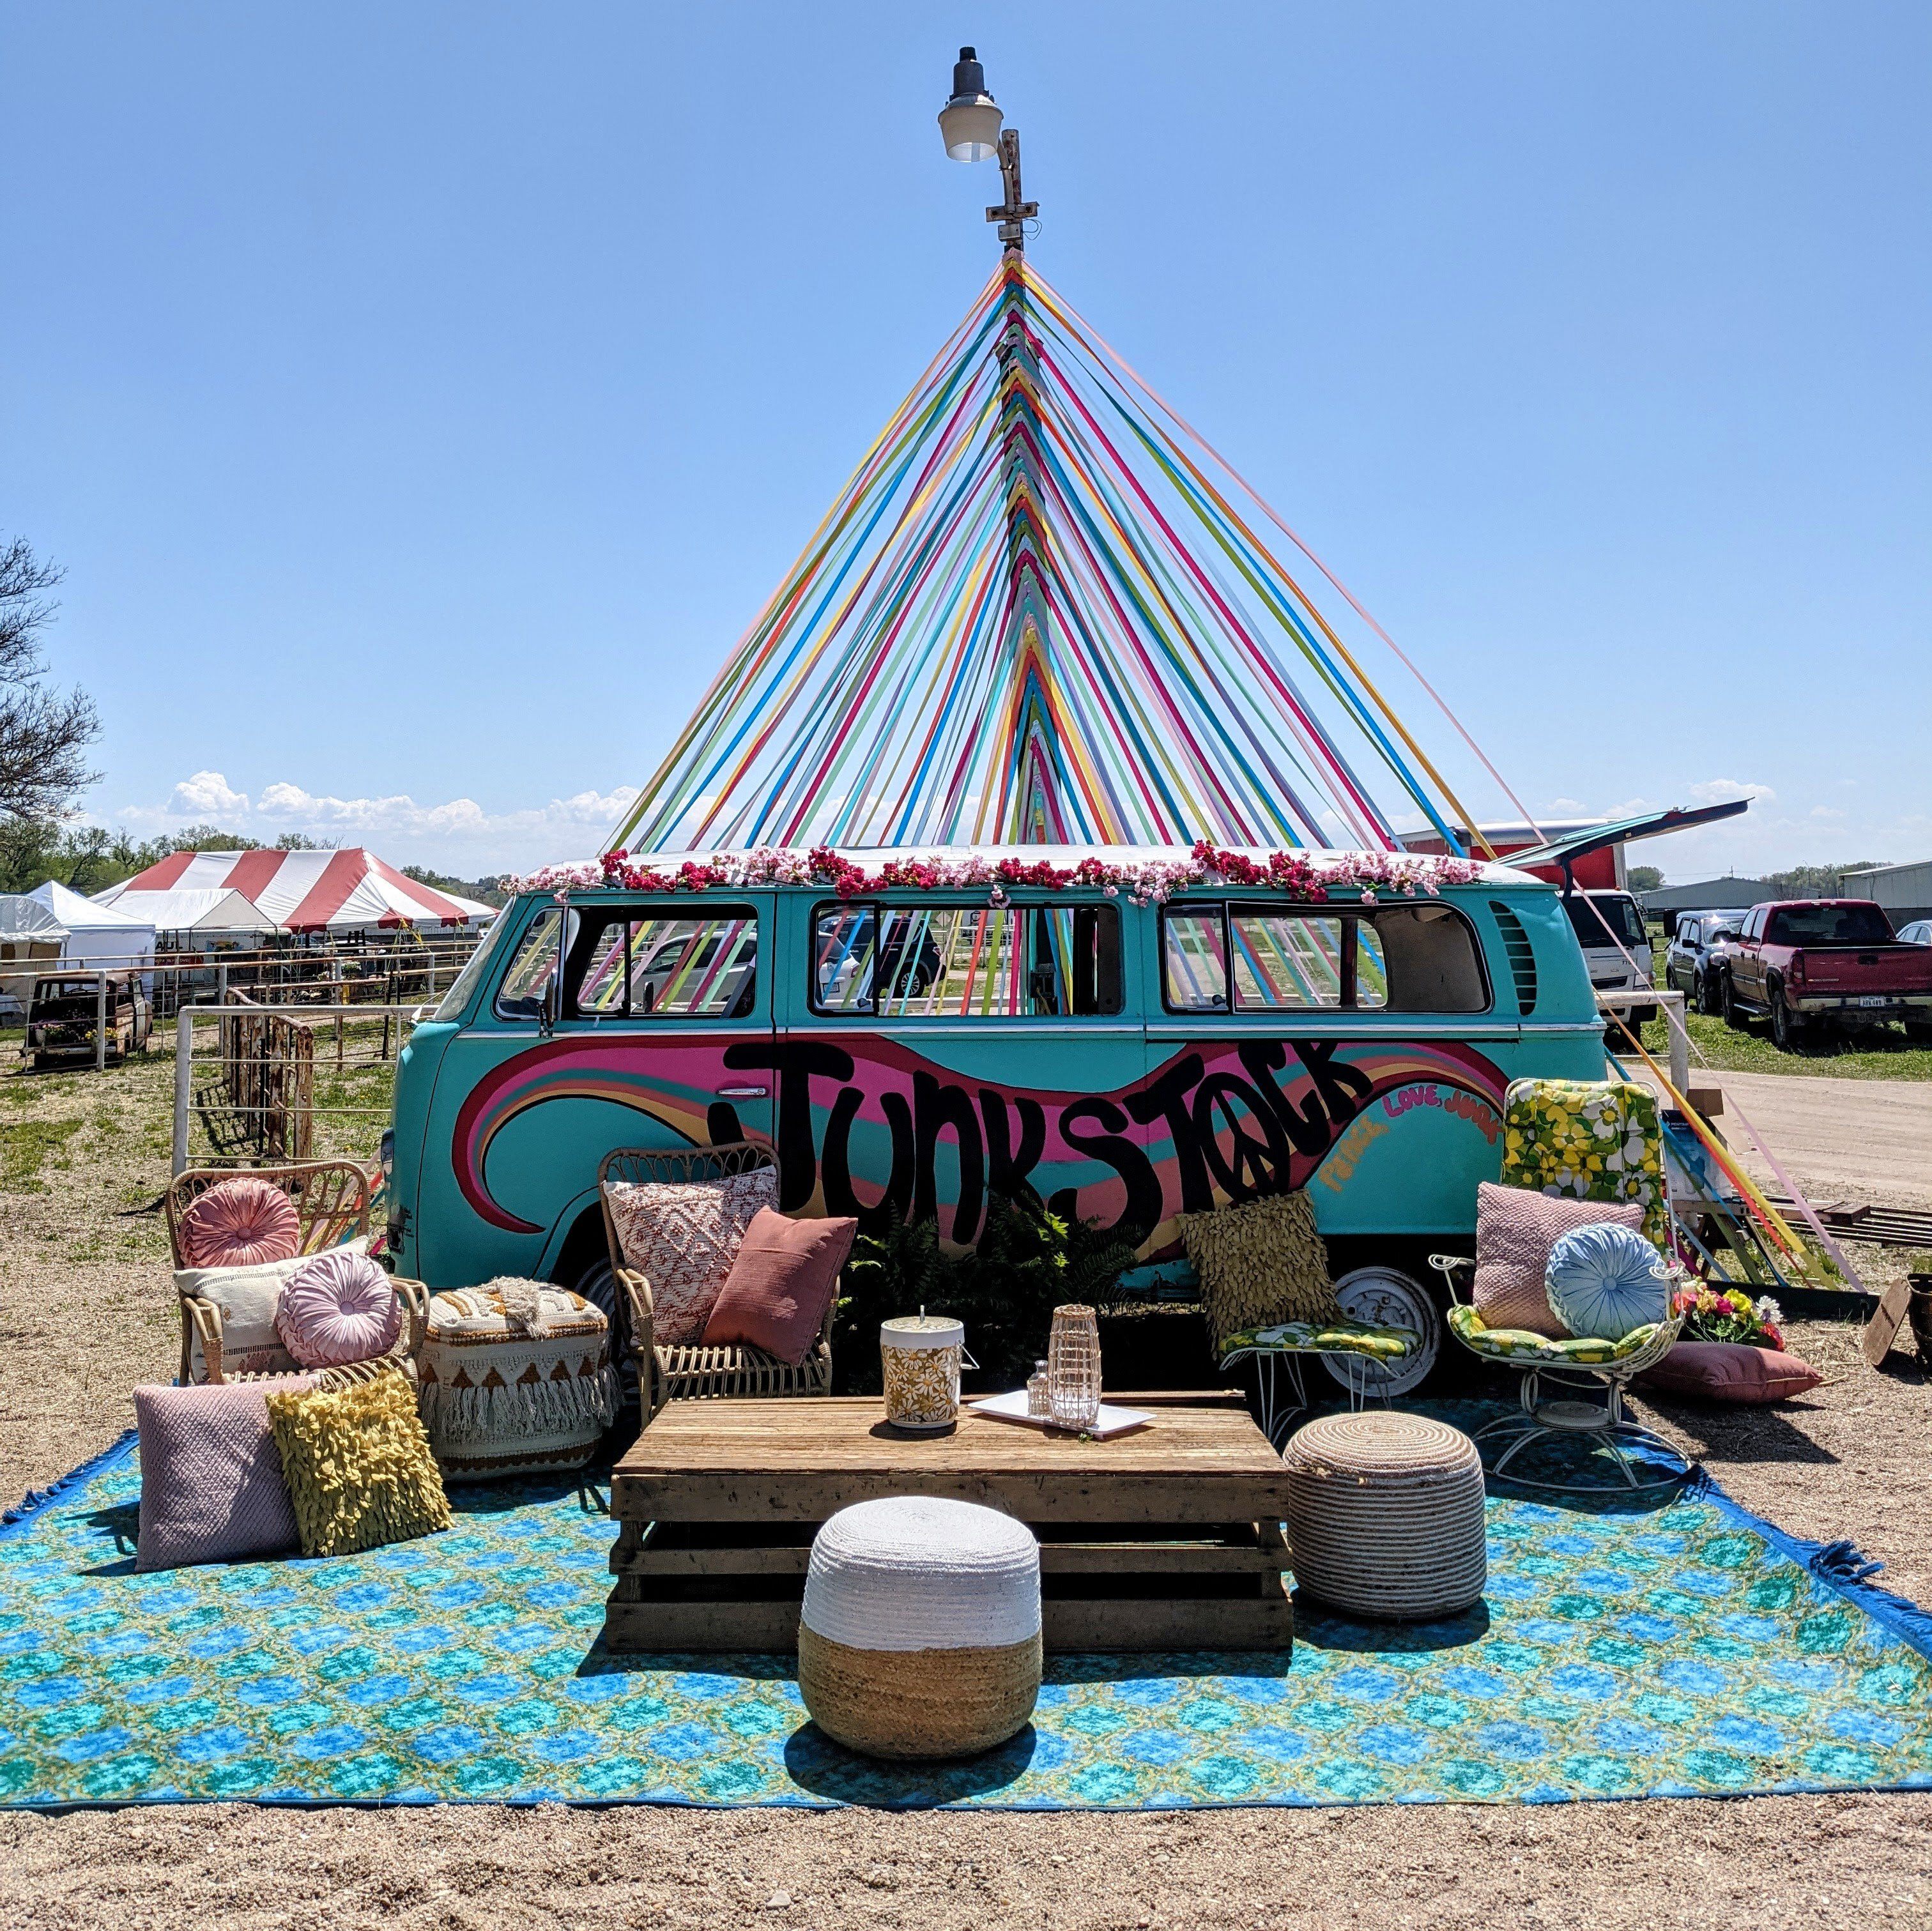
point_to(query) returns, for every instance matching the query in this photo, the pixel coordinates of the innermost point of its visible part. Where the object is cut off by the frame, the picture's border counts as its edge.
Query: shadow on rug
(1677, 1647)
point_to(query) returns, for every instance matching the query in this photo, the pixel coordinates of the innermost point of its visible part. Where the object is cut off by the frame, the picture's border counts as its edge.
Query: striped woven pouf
(1385, 1515)
(920, 1635)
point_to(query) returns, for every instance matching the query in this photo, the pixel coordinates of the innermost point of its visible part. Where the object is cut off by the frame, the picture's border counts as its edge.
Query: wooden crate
(1168, 1538)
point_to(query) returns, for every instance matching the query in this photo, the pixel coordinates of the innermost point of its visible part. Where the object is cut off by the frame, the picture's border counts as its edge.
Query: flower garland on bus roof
(1365, 875)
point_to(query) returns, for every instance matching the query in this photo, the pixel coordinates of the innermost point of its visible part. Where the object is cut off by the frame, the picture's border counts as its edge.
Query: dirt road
(1840, 1139)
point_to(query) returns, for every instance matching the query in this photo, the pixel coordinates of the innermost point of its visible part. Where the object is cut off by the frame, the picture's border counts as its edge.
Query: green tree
(1644, 878)
(1816, 881)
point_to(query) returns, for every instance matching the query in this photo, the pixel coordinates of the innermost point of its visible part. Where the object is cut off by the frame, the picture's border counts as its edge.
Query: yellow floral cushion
(1518, 1344)
(1335, 1335)
(1260, 1261)
(1587, 1139)
(358, 1466)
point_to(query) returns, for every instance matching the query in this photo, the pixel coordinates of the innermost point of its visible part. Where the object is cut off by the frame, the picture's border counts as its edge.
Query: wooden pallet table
(1167, 1538)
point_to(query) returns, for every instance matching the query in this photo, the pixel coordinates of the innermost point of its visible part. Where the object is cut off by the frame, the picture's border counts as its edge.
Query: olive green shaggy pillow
(1258, 1262)
(358, 1466)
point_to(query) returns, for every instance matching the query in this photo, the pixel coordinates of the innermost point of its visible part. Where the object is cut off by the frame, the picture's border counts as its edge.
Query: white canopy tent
(101, 937)
(203, 910)
(31, 939)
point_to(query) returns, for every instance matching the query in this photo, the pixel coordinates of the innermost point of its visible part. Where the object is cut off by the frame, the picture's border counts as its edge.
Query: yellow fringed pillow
(1258, 1262)
(358, 1466)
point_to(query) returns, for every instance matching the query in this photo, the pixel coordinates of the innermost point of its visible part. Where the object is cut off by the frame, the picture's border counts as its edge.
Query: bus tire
(1386, 1296)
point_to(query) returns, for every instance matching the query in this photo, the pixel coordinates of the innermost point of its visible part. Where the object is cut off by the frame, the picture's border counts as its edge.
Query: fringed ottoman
(515, 1378)
(920, 1632)
(1385, 1515)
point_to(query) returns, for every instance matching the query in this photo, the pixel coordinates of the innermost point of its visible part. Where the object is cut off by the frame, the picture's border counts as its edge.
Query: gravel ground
(86, 1312)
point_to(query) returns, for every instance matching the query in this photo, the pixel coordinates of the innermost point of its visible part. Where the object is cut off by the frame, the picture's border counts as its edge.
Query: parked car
(1694, 963)
(1827, 962)
(1918, 933)
(64, 1016)
(1616, 947)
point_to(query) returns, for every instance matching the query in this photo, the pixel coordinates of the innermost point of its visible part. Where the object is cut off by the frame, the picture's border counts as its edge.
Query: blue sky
(422, 400)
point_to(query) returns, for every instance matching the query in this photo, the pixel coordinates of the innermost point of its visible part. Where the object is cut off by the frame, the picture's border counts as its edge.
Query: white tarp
(200, 909)
(31, 939)
(101, 937)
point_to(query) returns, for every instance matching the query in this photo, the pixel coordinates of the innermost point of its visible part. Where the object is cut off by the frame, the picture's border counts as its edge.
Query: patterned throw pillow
(682, 1236)
(358, 1466)
(1606, 1281)
(338, 1307)
(1258, 1263)
(1587, 1139)
(211, 1486)
(248, 1299)
(239, 1223)
(1515, 1231)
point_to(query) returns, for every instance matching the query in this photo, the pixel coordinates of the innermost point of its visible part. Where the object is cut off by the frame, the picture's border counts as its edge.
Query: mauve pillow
(1515, 1231)
(338, 1307)
(239, 1223)
(1730, 1371)
(211, 1486)
(775, 1296)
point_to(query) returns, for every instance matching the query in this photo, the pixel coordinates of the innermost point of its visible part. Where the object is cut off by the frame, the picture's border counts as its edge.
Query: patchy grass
(28, 1145)
(1883, 1053)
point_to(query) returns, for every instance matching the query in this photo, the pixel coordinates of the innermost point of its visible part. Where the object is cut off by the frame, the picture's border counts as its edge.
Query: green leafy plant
(1029, 1260)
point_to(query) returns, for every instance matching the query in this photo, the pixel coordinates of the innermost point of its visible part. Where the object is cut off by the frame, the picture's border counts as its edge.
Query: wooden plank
(1096, 1558)
(1069, 1627)
(735, 1461)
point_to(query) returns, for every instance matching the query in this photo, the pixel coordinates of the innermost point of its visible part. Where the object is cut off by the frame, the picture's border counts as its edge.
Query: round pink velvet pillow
(338, 1308)
(240, 1223)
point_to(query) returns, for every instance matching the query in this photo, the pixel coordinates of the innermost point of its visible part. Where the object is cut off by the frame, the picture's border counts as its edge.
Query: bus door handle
(743, 1092)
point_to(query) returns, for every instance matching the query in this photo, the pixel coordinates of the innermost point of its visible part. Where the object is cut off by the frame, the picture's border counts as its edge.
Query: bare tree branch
(44, 733)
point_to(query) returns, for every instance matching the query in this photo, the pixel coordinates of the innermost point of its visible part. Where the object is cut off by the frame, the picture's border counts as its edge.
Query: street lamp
(969, 124)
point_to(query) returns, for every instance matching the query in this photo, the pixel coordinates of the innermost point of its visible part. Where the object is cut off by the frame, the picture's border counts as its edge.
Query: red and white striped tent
(350, 891)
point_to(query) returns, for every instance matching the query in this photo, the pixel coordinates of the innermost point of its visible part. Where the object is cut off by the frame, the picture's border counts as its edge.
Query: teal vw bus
(918, 1050)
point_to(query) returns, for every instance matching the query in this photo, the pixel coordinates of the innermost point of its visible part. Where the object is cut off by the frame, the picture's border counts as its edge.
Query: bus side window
(1430, 960)
(1193, 959)
(532, 970)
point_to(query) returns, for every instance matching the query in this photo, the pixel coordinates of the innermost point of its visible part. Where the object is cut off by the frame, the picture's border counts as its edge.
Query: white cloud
(208, 795)
(1566, 805)
(459, 835)
(1728, 791)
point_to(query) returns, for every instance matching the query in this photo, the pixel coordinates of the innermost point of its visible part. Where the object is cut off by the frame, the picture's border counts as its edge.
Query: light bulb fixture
(969, 123)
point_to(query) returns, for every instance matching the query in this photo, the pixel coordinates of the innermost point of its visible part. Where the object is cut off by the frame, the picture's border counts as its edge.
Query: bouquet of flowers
(1730, 1314)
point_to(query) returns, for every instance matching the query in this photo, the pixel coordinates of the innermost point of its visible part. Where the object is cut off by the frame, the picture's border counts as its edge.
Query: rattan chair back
(331, 1199)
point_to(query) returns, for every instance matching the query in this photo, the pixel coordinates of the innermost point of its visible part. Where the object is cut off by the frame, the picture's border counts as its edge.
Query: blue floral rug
(1683, 1648)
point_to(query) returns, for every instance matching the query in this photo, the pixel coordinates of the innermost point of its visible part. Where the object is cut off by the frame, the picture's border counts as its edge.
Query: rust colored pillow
(775, 1296)
(1515, 1231)
(1730, 1371)
(240, 1223)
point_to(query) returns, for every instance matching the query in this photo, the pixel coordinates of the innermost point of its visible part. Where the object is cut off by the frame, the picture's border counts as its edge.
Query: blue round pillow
(1603, 1281)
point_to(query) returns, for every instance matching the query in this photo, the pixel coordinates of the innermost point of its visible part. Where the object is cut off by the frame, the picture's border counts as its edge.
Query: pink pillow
(779, 1287)
(1515, 1231)
(211, 1486)
(1730, 1371)
(682, 1236)
(240, 1223)
(337, 1307)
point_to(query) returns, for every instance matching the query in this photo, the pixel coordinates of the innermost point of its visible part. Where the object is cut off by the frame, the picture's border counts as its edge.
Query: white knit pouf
(920, 1635)
(1385, 1515)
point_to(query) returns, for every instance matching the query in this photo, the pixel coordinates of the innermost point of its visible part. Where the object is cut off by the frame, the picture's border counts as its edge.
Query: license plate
(1874, 999)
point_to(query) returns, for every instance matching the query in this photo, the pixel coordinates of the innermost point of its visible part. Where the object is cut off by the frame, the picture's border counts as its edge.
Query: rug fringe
(35, 1500)
(1839, 1565)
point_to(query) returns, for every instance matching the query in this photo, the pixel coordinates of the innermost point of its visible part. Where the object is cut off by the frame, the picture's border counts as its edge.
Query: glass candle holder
(1073, 1367)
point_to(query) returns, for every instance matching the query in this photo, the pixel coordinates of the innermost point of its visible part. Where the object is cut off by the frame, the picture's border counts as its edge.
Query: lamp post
(969, 124)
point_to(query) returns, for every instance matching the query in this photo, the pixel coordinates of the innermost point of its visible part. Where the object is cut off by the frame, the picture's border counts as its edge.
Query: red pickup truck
(1827, 962)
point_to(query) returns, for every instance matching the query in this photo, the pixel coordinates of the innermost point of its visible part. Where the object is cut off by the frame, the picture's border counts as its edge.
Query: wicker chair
(1576, 1366)
(331, 1200)
(694, 1371)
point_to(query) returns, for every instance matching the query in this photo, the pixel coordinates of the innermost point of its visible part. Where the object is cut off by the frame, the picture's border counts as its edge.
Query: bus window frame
(950, 903)
(1229, 1009)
